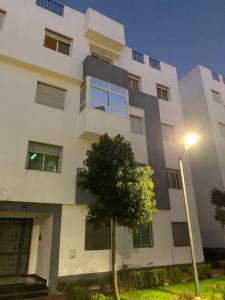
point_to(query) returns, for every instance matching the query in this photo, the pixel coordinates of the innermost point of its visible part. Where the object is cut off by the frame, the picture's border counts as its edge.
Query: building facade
(66, 79)
(203, 100)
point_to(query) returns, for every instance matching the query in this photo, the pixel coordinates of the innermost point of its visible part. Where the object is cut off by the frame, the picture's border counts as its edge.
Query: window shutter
(180, 234)
(136, 124)
(58, 37)
(50, 96)
(222, 129)
(44, 149)
(2, 16)
(167, 132)
(216, 97)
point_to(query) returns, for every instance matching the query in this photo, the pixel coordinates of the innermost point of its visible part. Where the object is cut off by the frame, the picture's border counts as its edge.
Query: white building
(203, 100)
(56, 67)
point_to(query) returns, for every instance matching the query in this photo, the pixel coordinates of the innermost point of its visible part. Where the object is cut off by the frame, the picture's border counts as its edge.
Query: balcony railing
(215, 76)
(52, 6)
(138, 56)
(154, 63)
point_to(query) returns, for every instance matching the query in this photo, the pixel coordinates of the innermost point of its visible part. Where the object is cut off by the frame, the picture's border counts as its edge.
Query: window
(163, 92)
(180, 234)
(222, 129)
(99, 239)
(50, 96)
(44, 157)
(83, 96)
(167, 133)
(174, 179)
(134, 82)
(143, 237)
(2, 18)
(101, 57)
(155, 64)
(215, 76)
(137, 125)
(57, 42)
(108, 97)
(216, 97)
(138, 56)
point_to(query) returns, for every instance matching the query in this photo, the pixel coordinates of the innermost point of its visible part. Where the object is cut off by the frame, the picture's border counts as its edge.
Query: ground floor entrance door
(15, 238)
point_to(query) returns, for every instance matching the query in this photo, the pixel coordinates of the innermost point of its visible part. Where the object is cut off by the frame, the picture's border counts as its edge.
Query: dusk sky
(184, 33)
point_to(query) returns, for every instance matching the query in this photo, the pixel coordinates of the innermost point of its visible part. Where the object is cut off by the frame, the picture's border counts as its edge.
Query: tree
(218, 199)
(123, 190)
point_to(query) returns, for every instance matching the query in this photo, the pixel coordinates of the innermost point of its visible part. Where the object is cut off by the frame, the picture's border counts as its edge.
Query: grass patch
(168, 292)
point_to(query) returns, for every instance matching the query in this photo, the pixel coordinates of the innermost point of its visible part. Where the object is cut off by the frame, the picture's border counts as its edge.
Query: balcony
(103, 109)
(155, 64)
(52, 6)
(104, 31)
(139, 57)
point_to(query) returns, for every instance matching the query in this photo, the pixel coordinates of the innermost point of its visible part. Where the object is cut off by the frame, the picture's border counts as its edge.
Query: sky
(184, 33)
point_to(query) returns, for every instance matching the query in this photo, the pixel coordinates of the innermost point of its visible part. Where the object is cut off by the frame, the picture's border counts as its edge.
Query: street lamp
(189, 141)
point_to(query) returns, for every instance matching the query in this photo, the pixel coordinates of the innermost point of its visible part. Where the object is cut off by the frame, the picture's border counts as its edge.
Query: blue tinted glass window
(99, 96)
(100, 83)
(118, 101)
(117, 89)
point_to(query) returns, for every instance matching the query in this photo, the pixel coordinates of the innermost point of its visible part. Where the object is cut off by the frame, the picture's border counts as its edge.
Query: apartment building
(67, 78)
(203, 100)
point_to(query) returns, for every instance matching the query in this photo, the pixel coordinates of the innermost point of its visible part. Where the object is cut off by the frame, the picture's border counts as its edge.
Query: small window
(216, 97)
(180, 234)
(163, 92)
(99, 239)
(174, 179)
(137, 125)
(50, 96)
(134, 82)
(222, 129)
(139, 57)
(143, 237)
(44, 157)
(167, 133)
(2, 18)
(215, 76)
(57, 42)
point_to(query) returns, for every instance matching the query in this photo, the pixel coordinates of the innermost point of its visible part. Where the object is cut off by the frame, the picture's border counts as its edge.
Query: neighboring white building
(203, 100)
(56, 68)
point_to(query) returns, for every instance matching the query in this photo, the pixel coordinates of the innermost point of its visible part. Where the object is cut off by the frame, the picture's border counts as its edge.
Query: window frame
(142, 125)
(60, 38)
(60, 149)
(4, 13)
(178, 179)
(107, 89)
(213, 92)
(163, 88)
(151, 238)
(176, 244)
(136, 78)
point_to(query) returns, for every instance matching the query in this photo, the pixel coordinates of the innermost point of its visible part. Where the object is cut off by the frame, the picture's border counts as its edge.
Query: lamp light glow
(33, 156)
(190, 139)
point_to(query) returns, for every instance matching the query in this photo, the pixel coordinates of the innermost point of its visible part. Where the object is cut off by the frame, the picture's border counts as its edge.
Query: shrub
(184, 296)
(155, 278)
(74, 292)
(175, 275)
(99, 297)
(136, 280)
(204, 270)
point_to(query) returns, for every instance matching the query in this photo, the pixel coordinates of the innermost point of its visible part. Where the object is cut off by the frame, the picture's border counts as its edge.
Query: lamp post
(190, 140)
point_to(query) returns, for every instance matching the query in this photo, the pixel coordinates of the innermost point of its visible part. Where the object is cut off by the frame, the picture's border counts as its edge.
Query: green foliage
(175, 275)
(218, 199)
(74, 292)
(148, 279)
(204, 270)
(122, 189)
(218, 264)
(184, 296)
(99, 297)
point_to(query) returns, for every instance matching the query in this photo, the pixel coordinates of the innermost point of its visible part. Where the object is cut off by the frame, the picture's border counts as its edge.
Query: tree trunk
(114, 271)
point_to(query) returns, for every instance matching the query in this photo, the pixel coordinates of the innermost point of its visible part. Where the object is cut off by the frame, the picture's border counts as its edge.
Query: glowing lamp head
(190, 140)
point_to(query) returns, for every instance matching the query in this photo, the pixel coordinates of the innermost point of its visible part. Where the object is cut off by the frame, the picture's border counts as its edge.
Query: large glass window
(108, 97)
(44, 157)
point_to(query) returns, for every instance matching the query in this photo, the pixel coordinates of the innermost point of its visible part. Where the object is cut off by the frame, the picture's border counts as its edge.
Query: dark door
(15, 237)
